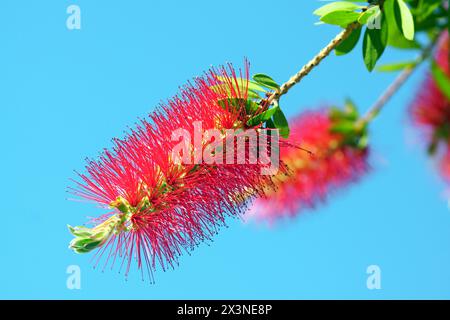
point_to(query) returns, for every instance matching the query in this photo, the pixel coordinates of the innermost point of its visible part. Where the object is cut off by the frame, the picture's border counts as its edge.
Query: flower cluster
(160, 207)
(431, 109)
(336, 157)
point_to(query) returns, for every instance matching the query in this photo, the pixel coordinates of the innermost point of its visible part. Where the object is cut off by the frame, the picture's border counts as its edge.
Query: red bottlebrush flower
(160, 206)
(332, 164)
(431, 108)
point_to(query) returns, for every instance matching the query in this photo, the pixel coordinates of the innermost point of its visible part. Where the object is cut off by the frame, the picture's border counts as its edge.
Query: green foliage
(336, 6)
(262, 117)
(404, 19)
(374, 44)
(340, 18)
(250, 106)
(441, 134)
(346, 122)
(260, 85)
(366, 15)
(426, 8)
(241, 85)
(441, 79)
(273, 118)
(349, 44)
(392, 67)
(280, 122)
(396, 37)
(429, 14)
(265, 81)
(392, 23)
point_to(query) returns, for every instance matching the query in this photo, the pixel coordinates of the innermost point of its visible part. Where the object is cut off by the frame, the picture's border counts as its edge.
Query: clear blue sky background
(64, 94)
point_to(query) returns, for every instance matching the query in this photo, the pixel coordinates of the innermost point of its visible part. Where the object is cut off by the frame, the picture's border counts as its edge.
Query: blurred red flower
(431, 109)
(332, 165)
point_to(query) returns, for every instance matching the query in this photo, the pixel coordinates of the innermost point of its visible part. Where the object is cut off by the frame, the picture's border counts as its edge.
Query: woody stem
(314, 62)
(397, 84)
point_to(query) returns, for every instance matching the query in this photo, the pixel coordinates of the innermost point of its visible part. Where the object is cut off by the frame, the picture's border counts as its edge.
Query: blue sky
(66, 93)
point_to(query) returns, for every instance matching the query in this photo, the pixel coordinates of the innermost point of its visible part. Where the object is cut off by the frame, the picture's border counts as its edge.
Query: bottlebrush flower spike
(431, 108)
(338, 156)
(160, 206)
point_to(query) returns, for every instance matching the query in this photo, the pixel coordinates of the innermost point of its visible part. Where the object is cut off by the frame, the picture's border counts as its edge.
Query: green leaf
(343, 126)
(242, 83)
(266, 81)
(80, 242)
(237, 103)
(348, 113)
(80, 250)
(363, 142)
(441, 79)
(251, 107)
(400, 42)
(226, 88)
(366, 15)
(336, 6)
(350, 110)
(270, 124)
(262, 117)
(253, 95)
(80, 231)
(396, 38)
(433, 146)
(92, 245)
(404, 19)
(349, 44)
(281, 123)
(374, 43)
(425, 8)
(336, 113)
(340, 18)
(441, 133)
(392, 67)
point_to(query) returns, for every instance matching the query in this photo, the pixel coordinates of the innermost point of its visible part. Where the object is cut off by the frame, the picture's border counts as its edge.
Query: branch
(314, 62)
(397, 84)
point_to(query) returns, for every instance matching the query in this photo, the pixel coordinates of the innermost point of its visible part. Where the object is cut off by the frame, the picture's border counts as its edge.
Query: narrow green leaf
(251, 107)
(441, 79)
(396, 38)
(374, 43)
(335, 6)
(404, 19)
(349, 44)
(262, 117)
(441, 133)
(401, 42)
(340, 18)
(366, 15)
(350, 110)
(343, 126)
(392, 67)
(266, 81)
(336, 114)
(281, 123)
(270, 124)
(80, 231)
(348, 113)
(220, 88)
(425, 8)
(242, 83)
(92, 245)
(363, 142)
(237, 103)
